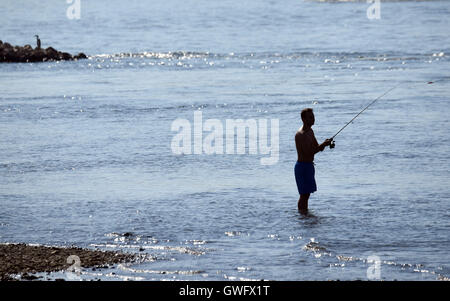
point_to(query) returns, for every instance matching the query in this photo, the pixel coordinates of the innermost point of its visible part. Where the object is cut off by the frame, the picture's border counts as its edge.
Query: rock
(26, 276)
(51, 53)
(36, 55)
(18, 54)
(25, 259)
(65, 56)
(80, 56)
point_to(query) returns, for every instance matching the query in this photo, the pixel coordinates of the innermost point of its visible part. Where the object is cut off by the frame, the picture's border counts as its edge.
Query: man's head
(307, 116)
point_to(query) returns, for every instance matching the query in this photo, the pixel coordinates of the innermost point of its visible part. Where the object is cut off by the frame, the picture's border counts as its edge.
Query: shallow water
(86, 158)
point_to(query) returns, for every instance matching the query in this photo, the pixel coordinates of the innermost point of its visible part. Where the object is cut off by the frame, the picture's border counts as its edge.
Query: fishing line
(332, 145)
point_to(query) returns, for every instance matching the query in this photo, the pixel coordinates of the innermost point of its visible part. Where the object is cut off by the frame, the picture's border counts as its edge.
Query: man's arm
(324, 144)
(320, 147)
(308, 146)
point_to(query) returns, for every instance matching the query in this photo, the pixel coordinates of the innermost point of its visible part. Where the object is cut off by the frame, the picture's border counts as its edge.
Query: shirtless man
(307, 147)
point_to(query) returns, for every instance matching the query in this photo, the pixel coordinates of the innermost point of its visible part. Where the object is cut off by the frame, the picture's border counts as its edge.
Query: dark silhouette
(26, 54)
(38, 42)
(307, 146)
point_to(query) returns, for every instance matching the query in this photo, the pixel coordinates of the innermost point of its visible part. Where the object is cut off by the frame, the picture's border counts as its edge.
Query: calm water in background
(85, 155)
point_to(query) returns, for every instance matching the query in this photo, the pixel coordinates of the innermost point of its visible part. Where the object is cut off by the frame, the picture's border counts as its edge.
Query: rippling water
(86, 159)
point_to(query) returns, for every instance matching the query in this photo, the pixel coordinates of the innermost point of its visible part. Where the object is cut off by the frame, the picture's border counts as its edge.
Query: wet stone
(24, 259)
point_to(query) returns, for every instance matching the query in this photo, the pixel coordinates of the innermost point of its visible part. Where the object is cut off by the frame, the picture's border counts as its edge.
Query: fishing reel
(332, 145)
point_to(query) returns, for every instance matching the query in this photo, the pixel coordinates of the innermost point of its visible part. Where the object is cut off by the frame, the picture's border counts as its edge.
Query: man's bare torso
(306, 144)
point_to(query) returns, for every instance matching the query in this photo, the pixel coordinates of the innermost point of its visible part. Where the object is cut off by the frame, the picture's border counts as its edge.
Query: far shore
(26, 260)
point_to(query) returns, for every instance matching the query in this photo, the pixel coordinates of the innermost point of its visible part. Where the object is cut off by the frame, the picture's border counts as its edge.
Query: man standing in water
(307, 146)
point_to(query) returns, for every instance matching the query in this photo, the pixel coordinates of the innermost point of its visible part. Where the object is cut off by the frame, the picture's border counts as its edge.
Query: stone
(19, 54)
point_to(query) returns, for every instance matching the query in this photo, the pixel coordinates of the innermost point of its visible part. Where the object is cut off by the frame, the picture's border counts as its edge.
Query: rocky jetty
(28, 54)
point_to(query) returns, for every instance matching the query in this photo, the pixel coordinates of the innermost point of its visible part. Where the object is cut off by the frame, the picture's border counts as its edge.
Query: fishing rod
(332, 145)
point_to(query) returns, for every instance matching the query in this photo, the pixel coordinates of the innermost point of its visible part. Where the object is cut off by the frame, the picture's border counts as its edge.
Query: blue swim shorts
(304, 176)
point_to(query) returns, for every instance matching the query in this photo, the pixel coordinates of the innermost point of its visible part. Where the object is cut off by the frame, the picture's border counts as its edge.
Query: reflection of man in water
(307, 147)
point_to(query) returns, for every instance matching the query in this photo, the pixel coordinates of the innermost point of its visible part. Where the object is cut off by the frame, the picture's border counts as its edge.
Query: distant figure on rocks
(38, 42)
(307, 146)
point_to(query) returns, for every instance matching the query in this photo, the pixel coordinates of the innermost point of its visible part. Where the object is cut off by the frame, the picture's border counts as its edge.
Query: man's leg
(303, 203)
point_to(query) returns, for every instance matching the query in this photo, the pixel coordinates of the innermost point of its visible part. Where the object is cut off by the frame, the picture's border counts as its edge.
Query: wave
(321, 251)
(156, 55)
(184, 55)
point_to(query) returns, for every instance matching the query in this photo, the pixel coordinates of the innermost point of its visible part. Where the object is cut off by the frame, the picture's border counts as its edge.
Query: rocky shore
(25, 260)
(28, 54)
